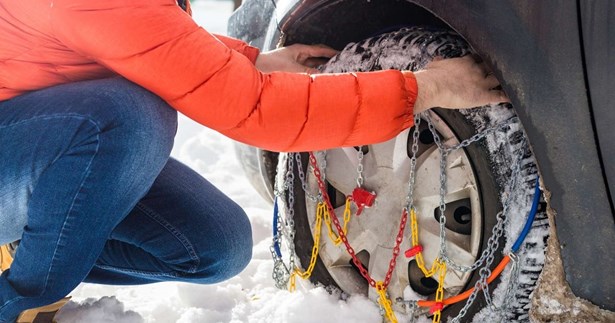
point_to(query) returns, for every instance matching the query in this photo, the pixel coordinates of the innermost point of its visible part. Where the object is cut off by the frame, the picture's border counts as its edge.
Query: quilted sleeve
(240, 46)
(148, 41)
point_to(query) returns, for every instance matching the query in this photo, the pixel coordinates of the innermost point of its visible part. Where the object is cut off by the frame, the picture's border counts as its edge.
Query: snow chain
(284, 275)
(321, 210)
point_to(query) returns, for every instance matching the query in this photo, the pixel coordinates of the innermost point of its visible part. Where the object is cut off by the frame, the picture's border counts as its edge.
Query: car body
(556, 62)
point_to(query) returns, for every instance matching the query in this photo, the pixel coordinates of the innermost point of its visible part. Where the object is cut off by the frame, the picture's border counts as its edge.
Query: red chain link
(351, 252)
(398, 241)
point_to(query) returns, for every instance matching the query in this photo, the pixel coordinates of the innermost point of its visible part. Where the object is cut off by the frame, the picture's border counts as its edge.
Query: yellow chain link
(440, 291)
(334, 237)
(292, 286)
(320, 210)
(323, 212)
(438, 265)
(415, 242)
(385, 303)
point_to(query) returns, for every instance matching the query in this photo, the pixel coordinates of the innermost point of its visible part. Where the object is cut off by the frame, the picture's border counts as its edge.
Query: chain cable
(511, 289)
(360, 155)
(314, 197)
(284, 274)
(321, 209)
(493, 243)
(285, 228)
(442, 206)
(414, 150)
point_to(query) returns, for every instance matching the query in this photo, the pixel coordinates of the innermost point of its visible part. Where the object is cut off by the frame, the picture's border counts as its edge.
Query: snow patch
(106, 309)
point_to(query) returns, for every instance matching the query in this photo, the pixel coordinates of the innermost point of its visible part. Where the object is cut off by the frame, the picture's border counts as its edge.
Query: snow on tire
(490, 160)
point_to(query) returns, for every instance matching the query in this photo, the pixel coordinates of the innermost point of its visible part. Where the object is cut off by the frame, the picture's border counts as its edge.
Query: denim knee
(233, 251)
(238, 246)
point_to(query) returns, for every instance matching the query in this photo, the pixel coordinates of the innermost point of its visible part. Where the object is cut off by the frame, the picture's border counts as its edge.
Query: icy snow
(248, 297)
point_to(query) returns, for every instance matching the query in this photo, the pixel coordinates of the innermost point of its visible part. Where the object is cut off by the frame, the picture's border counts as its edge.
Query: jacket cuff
(251, 53)
(411, 95)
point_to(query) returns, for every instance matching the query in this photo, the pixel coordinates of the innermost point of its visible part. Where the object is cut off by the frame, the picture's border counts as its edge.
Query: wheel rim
(372, 234)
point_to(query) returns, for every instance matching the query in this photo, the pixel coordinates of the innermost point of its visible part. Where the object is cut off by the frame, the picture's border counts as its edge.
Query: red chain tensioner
(362, 199)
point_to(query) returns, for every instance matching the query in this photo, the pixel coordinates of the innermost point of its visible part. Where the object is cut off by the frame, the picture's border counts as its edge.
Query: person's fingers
(475, 57)
(437, 58)
(322, 51)
(310, 70)
(471, 59)
(315, 61)
(484, 70)
(303, 53)
(491, 81)
(495, 96)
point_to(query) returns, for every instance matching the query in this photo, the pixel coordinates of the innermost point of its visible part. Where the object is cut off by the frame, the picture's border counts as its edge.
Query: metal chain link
(281, 272)
(492, 244)
(290, 221)
(482, 134)
(442, 206)
(314, 197)
(498, 229)
(513, 280)
(360, 167)
(414, 149)
(488, 254)
(286, 227)
(277, 190)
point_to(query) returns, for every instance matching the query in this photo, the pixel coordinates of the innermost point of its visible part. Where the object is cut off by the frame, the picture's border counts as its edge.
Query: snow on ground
(248, 297)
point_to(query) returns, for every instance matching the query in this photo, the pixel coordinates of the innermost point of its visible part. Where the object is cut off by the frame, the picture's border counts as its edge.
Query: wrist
(424, 92)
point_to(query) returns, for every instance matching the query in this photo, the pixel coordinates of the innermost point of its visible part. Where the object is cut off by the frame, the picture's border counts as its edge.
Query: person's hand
(456, 83)
(297, 58)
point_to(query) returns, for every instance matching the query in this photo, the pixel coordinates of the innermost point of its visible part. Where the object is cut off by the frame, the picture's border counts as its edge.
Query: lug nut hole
(463, 215)
(426, 137)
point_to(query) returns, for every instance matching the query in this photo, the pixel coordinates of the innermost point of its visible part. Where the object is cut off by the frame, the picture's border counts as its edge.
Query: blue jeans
(87, 185)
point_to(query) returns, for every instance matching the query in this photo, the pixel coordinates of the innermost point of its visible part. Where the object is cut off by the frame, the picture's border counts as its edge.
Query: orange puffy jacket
(211, 79)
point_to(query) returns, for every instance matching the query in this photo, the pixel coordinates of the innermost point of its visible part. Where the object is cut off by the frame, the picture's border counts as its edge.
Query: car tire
(412, 49)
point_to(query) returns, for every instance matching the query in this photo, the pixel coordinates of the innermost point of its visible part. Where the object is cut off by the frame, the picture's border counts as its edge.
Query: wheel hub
(372, 234)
